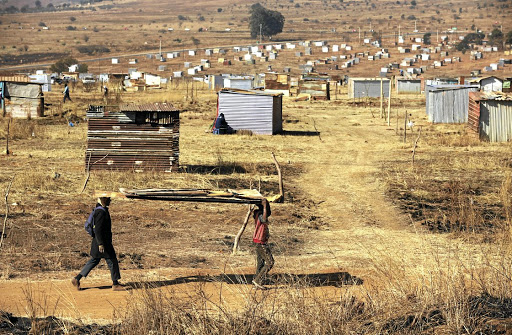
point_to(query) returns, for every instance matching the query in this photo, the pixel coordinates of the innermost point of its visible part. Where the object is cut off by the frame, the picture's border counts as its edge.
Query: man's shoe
(118, 287)
(76, 283)
(258, 286)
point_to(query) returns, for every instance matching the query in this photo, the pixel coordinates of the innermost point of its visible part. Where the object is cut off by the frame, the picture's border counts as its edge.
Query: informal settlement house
(448, 103)
(367, 87)
(136, 137)
(256, 111)
(408, 85)
(21, 99)
(489, 84)
(490, 116)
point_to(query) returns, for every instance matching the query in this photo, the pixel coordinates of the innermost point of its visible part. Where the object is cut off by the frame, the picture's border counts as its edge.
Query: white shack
(255, 111)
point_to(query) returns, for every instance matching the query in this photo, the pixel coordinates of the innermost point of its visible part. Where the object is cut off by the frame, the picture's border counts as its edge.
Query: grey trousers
(264, 262)
(112, 263)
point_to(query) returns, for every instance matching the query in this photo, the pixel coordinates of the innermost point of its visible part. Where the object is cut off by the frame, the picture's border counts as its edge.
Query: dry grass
(414, 280)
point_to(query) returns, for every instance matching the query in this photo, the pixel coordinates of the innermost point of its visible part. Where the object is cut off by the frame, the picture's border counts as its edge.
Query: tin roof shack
(137, 137)
(490, 116)
(257, 111)
(448, 103)
(318, 88)
(408, 85)
(21, 99)
(367, 87)
(489, 84)
(277, 83)
(239, 82)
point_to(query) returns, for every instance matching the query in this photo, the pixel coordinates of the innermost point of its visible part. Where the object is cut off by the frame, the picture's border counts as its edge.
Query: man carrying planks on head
(264, 259)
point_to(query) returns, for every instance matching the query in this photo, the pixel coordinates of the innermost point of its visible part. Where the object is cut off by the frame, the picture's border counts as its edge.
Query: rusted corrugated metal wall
(274, 81)
(318, 89)
(138, 138)
(474, 112)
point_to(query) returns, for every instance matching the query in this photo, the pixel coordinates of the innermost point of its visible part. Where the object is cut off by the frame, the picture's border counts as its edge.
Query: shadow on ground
(300, 133)
(279, 279)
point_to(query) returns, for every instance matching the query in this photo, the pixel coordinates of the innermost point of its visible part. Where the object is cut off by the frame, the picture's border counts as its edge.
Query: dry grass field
(366, 242)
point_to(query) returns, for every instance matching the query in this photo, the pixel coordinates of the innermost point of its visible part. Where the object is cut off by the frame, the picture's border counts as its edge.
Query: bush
(42, 24)
(70, 28)
(92, 49)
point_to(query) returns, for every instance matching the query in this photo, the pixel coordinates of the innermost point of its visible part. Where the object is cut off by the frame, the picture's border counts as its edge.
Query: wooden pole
(415, 145)
(6, 211)
(389, 103)
(242, 229)
(281, 187)
(7, 137)
(405, 127)
(381, 98)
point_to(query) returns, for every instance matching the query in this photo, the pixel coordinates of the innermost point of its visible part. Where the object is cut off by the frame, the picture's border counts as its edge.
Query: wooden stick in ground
(7, 137)
(281, 188)
(405, 127)
(6, 211)
(88, 173)
(389, 104)
(415, 145)
(381, 98)
(242, 229)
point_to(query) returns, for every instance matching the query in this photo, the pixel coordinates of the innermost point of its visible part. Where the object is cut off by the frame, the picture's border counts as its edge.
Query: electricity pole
(260, 31)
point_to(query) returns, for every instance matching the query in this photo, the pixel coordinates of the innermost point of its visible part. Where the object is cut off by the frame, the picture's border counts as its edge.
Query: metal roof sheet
(154, 107)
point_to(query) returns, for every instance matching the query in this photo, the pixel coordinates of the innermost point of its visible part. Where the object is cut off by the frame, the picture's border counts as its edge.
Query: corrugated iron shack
(448, 103)
(257, 111)
(318, 89)
(277, 81)
(137, 137)
(408, 85)
(367, 87)
(490, 116)
(21, 99)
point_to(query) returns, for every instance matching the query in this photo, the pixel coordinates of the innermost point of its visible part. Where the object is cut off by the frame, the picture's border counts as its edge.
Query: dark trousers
(112, 263)
(264, 262)
(66, 96)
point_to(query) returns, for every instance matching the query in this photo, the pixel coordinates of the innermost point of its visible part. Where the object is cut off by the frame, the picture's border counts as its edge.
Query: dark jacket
(103, 235)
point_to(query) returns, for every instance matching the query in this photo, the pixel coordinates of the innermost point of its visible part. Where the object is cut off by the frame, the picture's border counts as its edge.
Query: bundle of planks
(192, 195)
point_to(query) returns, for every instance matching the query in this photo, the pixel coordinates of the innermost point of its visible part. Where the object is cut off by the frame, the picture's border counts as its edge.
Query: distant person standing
(264, 259)
(105, 93)
(66, 93)
(101, 246)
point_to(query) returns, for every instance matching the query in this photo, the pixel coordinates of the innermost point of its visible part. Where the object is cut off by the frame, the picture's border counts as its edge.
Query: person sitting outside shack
(221, 126)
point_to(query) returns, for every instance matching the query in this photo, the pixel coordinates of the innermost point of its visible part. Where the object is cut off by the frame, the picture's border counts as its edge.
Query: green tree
(83, 68)
(63, 64)
(496, 37)
(265, 21)
(38, 4)
(426, 38)
(508, 38)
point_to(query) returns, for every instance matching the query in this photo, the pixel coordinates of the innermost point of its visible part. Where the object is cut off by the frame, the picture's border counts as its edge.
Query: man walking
(264, 259)
(66, 93)
(101, 246)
